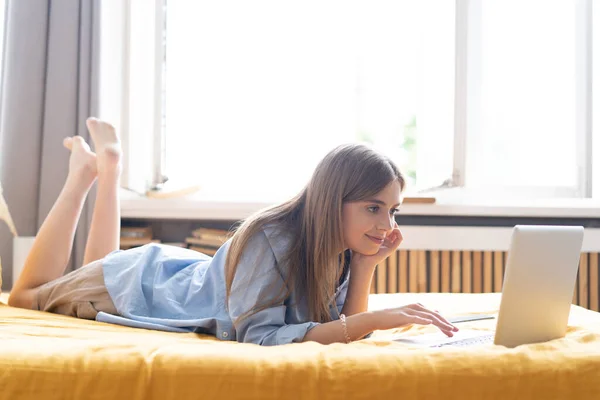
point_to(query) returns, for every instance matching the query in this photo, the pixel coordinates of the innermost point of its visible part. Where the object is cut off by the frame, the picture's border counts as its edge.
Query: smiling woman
(286, 275)
(370, 222)
(332, 214)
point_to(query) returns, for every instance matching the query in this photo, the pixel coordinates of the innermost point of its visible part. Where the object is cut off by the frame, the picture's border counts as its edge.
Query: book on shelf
(210, 233)
(206, 242)
(128, 243)
(136, 232)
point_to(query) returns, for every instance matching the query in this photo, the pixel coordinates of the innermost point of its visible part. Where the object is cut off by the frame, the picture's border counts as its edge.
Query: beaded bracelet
(345, 328)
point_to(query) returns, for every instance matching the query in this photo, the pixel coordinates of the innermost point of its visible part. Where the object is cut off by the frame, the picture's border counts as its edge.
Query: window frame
(144, 172)
(467, 95)
(127, 98)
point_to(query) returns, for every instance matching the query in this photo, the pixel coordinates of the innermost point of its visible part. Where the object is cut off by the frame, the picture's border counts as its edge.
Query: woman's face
(367, 222)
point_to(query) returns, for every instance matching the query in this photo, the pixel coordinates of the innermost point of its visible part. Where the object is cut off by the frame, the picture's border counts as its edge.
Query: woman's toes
(68, 143)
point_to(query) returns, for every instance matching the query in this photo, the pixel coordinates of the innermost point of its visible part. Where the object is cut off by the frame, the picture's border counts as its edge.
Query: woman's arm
(358, 326)
(359, 321)
(362, 268)
(359, 287)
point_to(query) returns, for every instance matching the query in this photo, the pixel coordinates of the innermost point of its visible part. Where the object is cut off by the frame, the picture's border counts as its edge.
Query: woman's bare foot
(82, 163)
(107, 146)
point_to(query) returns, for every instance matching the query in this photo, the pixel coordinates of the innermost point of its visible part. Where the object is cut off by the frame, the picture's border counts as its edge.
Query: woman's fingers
(416, 319)
(394, 239)
(444, 327)
(400, 237)
(421, 307)
(397, 237)
(418, 314)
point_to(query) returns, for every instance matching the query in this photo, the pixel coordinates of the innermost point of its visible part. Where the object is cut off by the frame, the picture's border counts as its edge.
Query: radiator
(469, 260)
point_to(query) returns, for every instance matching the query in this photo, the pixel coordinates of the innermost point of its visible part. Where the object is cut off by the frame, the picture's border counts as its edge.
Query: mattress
(48, 356)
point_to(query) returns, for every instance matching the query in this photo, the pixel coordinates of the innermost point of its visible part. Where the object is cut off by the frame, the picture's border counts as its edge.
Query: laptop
(539, 281)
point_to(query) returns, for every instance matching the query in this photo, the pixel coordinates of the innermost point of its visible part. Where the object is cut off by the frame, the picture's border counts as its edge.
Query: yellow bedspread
(47, 356)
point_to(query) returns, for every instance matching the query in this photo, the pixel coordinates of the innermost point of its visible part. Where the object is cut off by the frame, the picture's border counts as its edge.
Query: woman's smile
(375, 239)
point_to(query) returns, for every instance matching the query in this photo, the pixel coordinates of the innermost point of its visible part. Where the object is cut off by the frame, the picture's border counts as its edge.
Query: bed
(47, 356)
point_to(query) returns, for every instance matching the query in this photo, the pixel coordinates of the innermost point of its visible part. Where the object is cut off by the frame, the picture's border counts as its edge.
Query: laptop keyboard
(487, 339)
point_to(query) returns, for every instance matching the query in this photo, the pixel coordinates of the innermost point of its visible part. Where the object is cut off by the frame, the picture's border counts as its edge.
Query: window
(257, 92)
(523, 127)
(246, 97)
(2, 29)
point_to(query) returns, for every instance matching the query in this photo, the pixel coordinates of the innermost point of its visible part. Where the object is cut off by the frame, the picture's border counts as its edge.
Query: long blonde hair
(313, 219)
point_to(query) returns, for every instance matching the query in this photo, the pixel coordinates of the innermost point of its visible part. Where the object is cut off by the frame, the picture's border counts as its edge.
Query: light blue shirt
(179, 290)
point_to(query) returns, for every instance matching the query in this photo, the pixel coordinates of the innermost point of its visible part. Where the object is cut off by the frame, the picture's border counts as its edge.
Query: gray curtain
(49, 88)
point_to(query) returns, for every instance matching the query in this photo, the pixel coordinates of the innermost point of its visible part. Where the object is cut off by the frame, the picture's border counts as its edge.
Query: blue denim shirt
(179, 290)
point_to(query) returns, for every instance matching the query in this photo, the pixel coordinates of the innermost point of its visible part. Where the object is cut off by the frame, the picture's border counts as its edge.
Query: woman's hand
(412, 314)
(363, 323)
(390, 244)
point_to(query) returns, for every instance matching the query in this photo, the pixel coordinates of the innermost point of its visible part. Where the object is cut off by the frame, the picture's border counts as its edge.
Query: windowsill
(202, 207)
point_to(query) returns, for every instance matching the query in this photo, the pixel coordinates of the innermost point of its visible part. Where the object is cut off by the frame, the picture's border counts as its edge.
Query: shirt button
(225, 334)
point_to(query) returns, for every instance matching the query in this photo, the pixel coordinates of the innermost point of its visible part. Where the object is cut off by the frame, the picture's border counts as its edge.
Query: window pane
(2, 29)
(595, 102)
(526, 133)
(257, 92)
